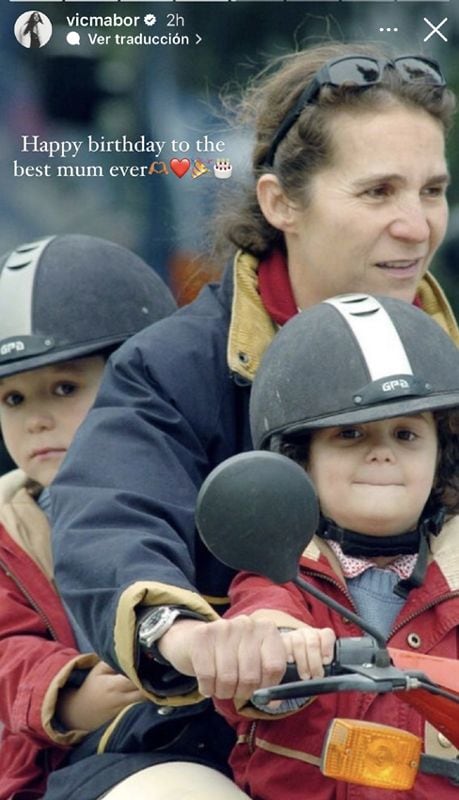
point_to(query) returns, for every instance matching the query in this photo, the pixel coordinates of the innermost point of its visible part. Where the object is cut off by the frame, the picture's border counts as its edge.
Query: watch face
(158, 617)
(156, 623)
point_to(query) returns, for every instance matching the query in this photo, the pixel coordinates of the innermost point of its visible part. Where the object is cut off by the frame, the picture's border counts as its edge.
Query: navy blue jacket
(168, 411)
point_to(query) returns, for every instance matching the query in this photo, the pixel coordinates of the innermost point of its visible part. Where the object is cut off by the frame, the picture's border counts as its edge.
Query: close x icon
(435, 29)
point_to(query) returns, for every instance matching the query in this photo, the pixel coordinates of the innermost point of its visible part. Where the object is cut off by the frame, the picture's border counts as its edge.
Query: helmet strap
(430, 525)
(362, 545)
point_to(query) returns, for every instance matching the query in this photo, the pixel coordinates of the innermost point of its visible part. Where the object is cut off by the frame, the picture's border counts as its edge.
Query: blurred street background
(173, 92)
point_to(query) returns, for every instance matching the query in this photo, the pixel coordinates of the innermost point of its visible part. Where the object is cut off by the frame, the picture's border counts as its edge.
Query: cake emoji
(223, 168)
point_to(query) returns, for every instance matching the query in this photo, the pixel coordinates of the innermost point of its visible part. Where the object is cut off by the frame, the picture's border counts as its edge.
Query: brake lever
(359, 672)
(315, 686)
(379, 681)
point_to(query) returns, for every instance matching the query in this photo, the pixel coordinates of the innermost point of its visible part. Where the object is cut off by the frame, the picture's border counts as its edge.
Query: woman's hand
(231, 658)
(102, 695)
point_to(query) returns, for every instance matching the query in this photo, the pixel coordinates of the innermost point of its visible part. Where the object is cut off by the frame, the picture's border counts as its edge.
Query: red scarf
(276, 291)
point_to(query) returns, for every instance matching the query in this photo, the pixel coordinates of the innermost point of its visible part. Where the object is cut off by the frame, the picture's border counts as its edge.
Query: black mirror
(258, 511)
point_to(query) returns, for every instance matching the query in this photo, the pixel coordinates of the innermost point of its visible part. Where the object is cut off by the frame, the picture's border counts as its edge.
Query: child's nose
(39, 421)
(380, 451)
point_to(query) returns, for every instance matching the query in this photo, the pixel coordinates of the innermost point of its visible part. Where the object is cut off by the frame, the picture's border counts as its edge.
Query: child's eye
(13, 399)
(349, 433)
(406, 435)
(65, 389)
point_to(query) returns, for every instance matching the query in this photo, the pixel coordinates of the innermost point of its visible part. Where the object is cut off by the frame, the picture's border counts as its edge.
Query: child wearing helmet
(66, 302)
(364, 393)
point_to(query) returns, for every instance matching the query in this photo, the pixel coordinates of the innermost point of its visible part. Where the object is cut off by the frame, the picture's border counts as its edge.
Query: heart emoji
(180, 166)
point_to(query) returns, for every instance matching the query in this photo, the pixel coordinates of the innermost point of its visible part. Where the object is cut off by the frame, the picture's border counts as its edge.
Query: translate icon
(73, 38)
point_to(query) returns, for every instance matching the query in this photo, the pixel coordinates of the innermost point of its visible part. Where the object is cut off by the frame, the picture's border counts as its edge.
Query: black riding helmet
(352, 359)
(349, 360)
(106, 292)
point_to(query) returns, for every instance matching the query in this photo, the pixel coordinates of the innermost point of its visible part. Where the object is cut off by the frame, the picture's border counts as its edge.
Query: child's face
(376, 477)
(40, 411)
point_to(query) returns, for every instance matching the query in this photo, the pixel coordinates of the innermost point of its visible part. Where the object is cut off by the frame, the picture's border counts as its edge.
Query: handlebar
(355, 667)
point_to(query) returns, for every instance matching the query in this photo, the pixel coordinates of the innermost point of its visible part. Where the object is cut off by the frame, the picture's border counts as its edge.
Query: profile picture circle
(33, 29)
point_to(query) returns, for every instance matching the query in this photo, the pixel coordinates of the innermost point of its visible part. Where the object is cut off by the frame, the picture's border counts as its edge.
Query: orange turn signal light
(370, 754)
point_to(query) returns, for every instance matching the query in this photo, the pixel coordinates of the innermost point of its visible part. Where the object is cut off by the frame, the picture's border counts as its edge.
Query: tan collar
(434, 302)
(317, 548)
(252, 329)
(24, 520)
(445, 551)
(10, 483)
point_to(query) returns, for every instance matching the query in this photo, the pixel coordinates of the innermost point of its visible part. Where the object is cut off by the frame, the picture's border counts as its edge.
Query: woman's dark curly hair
(445, 490)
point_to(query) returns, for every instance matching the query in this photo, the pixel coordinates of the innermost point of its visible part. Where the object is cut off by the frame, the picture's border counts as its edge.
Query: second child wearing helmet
(364, 393)
(66, 302)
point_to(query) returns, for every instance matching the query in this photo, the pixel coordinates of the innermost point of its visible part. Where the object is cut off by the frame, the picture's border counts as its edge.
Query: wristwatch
(156, 673)
(155, 621)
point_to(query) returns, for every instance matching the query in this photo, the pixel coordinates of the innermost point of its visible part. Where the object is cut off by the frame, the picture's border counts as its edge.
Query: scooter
(257, 512)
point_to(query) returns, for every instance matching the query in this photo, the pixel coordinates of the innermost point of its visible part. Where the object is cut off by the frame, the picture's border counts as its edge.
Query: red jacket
(37, 648)
(278, 758)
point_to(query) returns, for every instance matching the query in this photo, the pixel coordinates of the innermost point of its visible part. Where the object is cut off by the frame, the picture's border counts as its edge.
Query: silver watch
(156, 623)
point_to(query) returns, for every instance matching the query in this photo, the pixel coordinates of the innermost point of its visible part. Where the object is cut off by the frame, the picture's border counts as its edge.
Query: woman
(31, 28)
(348, 194)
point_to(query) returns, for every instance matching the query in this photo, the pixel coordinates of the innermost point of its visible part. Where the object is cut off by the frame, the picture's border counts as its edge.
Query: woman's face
(377, 213)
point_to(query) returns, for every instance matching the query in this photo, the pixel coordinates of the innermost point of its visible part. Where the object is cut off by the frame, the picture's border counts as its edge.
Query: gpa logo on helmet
(398, 383)
(11, 347)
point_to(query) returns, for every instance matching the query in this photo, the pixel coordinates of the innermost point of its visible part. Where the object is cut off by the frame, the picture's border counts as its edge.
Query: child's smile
(375, 477)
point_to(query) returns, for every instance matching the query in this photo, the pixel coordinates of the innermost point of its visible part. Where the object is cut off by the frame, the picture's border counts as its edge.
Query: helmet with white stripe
(352, 359)
(69, 296)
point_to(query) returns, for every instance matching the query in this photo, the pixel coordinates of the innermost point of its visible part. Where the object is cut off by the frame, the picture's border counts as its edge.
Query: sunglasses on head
(357, 72)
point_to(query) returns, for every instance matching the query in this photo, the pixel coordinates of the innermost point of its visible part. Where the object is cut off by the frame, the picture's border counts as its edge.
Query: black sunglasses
(357, 72)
